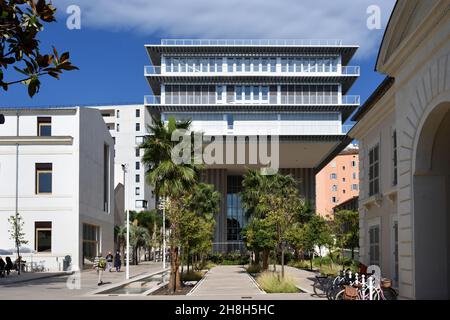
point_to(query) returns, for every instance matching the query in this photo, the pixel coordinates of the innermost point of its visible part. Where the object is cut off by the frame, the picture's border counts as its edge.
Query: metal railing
(150, 70)
(156, 100)
(346, 128)
(351, 70)
(251, 42)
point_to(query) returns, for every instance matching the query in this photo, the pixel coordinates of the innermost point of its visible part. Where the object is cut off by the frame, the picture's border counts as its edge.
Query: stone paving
(227, 281)
(56, 287)
(220, 283)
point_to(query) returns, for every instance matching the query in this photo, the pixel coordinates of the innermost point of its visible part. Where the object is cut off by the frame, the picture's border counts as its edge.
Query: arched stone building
(404, 134)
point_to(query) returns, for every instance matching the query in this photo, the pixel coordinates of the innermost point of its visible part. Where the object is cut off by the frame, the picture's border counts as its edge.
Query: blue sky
(109, 48)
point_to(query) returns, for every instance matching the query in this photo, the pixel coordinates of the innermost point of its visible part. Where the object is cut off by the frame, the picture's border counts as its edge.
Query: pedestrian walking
(2, 267)
(99, 265)
(117, 261)
(109, 261)
(9, 265)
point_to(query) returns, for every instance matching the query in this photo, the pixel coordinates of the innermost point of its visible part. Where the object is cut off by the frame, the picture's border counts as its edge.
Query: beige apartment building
(403, 131)
(338, 181)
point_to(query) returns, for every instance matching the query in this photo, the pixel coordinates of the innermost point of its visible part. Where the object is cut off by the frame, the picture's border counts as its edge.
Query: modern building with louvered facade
(295, 90)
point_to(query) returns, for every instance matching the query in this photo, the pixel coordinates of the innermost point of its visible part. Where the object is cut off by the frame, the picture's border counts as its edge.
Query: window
(43, 236)
(343, 168)
(138, 191)
(43, 178)
(219, 90)
(343, 179)
(394, 158)
(106, 178)
(343, 191)
(138, 152)
(117, 128)
(141, 203)
(334, 188)
(333, 199)
(44, 126)
(138, 127)
(138, 178)
(354, 186)
(354, 175)
(374, 186)
(230, 121)
(138, 113)
(138, 165)
(374, 245)
(91, 242)
(333, 176)
(353, 164)
(118, 114)
(333, 164)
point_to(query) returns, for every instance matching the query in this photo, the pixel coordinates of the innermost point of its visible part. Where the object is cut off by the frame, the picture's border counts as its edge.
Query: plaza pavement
(220, 283)
(54, 286)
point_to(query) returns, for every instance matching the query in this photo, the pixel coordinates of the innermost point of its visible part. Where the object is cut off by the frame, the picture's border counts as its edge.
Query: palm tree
(169, 179)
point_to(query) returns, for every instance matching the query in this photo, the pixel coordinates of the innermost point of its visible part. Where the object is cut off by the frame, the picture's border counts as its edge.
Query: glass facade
(252, 64)
(235, 213)
(261, 94)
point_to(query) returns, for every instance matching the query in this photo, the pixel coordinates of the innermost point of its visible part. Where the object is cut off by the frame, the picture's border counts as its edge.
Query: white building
(65, 185)
(292, 90)
(404, 131)
(128, 126)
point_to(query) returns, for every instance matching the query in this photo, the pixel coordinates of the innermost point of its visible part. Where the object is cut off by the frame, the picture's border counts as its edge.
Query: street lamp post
(127, 252)
(162, 206)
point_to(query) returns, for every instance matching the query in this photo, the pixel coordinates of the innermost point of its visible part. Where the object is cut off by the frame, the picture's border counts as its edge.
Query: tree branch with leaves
(20, 23)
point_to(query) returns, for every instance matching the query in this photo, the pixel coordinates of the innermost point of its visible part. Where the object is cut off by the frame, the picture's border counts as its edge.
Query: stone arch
(431, 190)
(425, 93)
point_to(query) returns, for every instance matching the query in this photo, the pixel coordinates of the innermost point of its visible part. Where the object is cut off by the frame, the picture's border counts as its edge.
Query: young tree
(346, 225)
(169, 179)
(17, 235)
(283, 205)
(21, 21)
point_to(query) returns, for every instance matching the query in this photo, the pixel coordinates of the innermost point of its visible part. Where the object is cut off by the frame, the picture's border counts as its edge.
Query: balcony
(346, 100)
(351, 71)
(190, 70)
(250, 42)
(152, 70)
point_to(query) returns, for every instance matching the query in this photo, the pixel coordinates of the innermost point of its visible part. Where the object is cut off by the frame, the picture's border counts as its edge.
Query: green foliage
(300, 264)
(254, 268)
(21, 21)
(346, 228)
(232, 258)
(273, 283)
(191, 276)
(16, 230)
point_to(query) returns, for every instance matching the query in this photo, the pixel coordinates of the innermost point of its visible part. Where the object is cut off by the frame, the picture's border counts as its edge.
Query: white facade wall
(122, 121)
(75, 151)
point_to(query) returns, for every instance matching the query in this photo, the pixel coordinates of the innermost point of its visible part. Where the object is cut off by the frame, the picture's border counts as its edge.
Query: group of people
(101, 264)
(5, 267)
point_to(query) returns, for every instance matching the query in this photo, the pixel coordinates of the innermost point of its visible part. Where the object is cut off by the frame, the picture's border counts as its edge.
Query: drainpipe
(17, 191)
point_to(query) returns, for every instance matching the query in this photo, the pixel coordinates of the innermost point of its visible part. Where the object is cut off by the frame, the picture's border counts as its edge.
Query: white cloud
(299, 19)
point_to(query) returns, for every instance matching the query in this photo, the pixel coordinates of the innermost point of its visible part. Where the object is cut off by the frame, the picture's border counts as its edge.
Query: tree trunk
(257, 259)
(174, 281)
(353, 253)
(187, 259)
(282, 261)
(265, 259)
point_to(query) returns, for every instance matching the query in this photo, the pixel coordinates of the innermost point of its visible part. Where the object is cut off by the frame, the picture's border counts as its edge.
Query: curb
(38, 278)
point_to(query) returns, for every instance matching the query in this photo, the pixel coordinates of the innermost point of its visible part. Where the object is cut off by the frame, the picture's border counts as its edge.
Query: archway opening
(431, 188)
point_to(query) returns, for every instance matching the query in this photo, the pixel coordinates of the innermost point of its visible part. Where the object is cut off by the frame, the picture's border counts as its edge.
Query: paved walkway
(56, 287)
(227, 281)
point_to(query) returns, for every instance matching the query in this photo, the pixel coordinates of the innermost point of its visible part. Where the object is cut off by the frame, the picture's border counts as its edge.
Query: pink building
(338, 181)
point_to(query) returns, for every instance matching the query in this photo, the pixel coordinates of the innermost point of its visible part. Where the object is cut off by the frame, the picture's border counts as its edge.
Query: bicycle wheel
(389, 294)
(339, 295)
